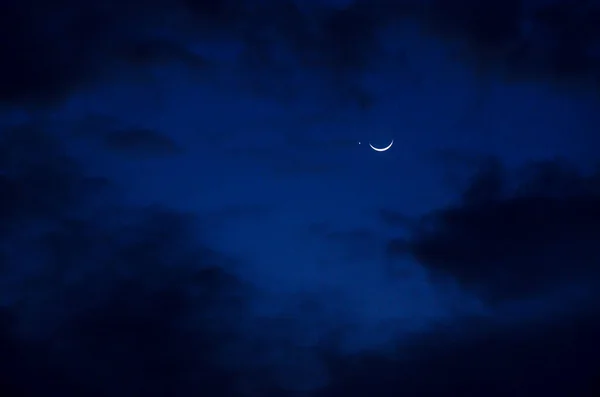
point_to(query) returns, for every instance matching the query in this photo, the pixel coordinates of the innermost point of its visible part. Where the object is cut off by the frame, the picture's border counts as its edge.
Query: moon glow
(382, 149)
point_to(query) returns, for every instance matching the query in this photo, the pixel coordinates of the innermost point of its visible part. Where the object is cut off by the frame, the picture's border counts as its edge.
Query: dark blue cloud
(546, 359)
(110, 296)
(516, 238)
(50, 50)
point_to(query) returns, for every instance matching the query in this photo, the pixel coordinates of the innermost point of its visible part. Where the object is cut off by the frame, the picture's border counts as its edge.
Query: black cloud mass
(517, 241)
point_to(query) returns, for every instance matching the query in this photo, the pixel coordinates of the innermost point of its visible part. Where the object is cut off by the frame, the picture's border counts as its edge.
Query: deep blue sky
(189, 204)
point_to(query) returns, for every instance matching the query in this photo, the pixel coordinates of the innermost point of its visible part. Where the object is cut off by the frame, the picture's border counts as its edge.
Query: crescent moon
(382, 149)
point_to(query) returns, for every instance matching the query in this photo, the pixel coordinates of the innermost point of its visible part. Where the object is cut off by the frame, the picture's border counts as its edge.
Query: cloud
(117, 299)
(125, 300)
(51, 51)
(556, 357)
(513, 237)
(237, 213)
(129, 140)
(524, 41)
(142, 141)
(38, 178)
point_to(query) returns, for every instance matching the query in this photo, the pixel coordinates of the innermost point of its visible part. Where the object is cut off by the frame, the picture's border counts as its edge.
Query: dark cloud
(480, 359)
(117, 300)
(512, 238)
(491, 26)
(119, 138)
(146, 333)
(554, 42)
(286, 163)
(159, 50)
(140, 141)
(242, 211)
(52, 49)
(102, 298)
(38, 179)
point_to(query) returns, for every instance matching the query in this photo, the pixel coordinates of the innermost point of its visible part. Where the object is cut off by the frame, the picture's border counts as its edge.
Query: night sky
(189, 205)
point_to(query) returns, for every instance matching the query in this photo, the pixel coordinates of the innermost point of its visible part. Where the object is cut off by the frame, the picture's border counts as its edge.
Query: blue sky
(263, 150)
